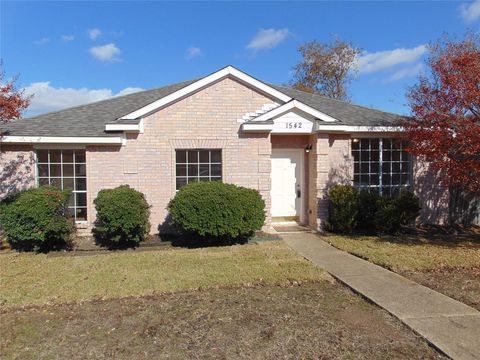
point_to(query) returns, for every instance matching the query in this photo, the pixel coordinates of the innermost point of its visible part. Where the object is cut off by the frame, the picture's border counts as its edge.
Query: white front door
(287, 183)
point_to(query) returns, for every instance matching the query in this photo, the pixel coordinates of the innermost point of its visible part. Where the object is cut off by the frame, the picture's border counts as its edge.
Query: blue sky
(75, 52)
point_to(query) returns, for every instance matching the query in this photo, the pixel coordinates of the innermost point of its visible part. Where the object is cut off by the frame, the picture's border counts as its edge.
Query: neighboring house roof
(90, 120)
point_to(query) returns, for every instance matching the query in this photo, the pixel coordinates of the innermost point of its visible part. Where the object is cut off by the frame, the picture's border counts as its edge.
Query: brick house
(228, 126)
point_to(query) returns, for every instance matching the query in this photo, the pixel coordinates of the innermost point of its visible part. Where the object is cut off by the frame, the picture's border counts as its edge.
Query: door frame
(300, 151)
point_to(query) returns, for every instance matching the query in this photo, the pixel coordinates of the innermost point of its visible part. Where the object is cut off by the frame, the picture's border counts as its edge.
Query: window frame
(210, 177)
(382, 163)
(74, 177)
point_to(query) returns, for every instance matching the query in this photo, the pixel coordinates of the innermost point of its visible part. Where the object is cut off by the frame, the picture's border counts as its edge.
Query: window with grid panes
(197, 165)
(381, 165)
(65, 169)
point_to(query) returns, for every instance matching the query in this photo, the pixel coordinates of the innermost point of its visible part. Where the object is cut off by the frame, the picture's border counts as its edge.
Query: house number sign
(293, 125)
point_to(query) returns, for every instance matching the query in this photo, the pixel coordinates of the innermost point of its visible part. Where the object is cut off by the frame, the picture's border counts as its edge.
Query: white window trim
(228, 71)
(380, 185)
(197, 163)
(37, 177)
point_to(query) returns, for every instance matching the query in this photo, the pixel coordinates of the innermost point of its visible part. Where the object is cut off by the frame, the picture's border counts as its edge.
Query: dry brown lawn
(447, 263)
(35, 279)
(319, 320)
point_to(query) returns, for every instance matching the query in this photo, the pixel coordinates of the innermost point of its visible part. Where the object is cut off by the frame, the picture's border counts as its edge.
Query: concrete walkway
(447, 324)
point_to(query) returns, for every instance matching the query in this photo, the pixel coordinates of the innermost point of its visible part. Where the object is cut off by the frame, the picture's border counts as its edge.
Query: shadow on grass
(444, 236)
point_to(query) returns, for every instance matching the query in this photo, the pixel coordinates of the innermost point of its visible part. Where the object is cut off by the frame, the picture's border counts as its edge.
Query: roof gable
(202, 83)
(291, 105)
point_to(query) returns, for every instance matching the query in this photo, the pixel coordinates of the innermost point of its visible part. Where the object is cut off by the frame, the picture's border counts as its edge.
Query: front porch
(303, 168)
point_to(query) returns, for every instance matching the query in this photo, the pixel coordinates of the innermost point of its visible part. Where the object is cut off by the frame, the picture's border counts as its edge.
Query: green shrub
(217, 210)
(408, 207)
(395, 212)
(343, 208)
(122, 217)
(387, 220)
(350, 210)
(368, 205)
(36, 219)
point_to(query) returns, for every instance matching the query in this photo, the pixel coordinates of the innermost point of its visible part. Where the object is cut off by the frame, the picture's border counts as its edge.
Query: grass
(35, 279)
(411, 252)
(316, 320)
(449, 263)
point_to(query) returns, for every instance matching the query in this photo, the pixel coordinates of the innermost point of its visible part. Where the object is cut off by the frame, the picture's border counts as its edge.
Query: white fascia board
(59, 140)
(295, 104)
(122, 127)
(197, 85)
(356, 129)
(332, 128)
(257, 127)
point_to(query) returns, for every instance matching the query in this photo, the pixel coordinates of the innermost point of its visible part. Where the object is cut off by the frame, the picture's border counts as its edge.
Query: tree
(12, 100)
(445, 129)
(326, 69)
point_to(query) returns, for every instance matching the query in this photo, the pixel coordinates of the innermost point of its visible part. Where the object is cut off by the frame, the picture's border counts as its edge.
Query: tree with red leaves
(445, 130)
(12, 100)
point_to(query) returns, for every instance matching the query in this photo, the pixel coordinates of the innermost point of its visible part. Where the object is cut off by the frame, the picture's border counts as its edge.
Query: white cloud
(129, 90)
(193, 52)
(48, 98)
(67, 38)
(470, 12)
(94, 33)
(381, 60)
(268, 38)
(107, 52)
(406, 72)
(42, 41)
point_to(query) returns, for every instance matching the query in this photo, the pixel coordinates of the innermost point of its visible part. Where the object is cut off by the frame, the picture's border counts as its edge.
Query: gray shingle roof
(90, 119)
(346, 113)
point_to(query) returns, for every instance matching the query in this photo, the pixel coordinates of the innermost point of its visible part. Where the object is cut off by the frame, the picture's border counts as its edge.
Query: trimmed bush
(36, 219)
(217, 211)
(122, 217)
(343, 208)
(408, 207)
(368, 205)
(387, 220)
(395, 212)
(370, 212)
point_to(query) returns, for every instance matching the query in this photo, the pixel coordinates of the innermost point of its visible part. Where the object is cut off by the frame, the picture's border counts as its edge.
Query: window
(197, 165)
(65, 169)
(381, 165)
